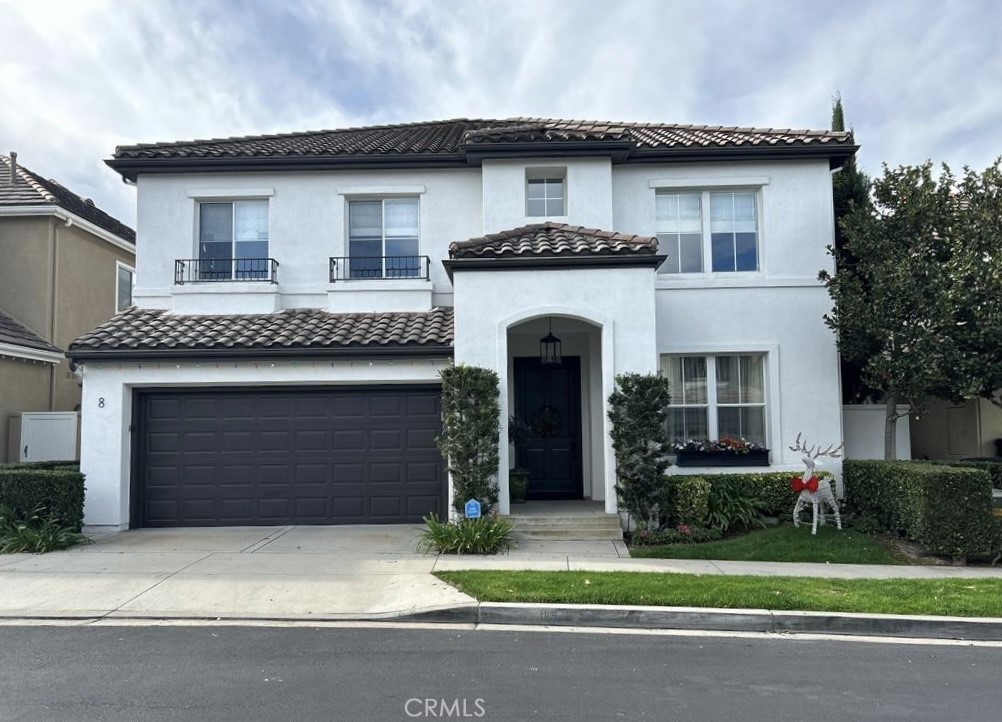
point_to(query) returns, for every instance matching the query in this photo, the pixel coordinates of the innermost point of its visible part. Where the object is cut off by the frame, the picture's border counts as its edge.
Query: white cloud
(920, 79)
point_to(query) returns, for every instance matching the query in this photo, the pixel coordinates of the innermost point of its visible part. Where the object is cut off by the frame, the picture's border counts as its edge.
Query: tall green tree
(918, 288)
(850, 190)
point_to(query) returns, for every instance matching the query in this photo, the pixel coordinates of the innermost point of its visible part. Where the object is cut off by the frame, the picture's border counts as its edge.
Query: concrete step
(593, 521)
(576, 527)
(568, 534)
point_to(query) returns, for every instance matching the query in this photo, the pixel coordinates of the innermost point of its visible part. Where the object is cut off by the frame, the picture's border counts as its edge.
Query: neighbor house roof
(553, 239)
(31, 189)
(461, 141)
(13, 333)
(147, 332)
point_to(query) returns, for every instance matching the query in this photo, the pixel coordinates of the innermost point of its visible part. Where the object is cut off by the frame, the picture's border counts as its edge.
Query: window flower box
(725, 452)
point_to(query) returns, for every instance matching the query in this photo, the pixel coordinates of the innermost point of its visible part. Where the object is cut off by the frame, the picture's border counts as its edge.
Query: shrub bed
(947, 509)
(771, 488)
(55, 488)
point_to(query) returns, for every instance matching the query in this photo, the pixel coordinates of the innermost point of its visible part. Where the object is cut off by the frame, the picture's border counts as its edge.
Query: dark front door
(328, 455)
(548, 400)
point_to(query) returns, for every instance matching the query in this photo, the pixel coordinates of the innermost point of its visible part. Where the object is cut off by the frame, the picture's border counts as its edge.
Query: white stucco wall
(307, 216)
(863, 425)
(106, 449)
(587, 191)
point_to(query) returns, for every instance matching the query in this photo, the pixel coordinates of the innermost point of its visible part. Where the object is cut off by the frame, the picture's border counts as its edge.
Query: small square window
(123, 287)
(545, 192)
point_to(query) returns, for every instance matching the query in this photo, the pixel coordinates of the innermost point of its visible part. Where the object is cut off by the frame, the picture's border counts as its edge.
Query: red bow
(798, 485)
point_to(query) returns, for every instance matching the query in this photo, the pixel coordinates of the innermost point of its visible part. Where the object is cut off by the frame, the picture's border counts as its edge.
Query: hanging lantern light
(549, 348)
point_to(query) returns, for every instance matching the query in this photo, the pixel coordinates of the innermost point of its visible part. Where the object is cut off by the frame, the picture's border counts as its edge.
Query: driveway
(248, 572)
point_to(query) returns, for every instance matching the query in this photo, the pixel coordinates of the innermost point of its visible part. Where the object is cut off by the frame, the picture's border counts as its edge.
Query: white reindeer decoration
(809, 490)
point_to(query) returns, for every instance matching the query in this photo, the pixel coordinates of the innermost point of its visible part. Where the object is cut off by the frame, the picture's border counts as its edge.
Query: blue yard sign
(472, 509)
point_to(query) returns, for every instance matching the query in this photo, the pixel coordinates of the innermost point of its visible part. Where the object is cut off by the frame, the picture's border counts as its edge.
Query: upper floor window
(727, 240)
(124, 279)
(545, 192)
(384, 238)
(713, 397)
(233, 240)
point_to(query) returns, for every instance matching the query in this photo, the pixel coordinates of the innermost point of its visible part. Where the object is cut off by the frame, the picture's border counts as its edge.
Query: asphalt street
(207, 673)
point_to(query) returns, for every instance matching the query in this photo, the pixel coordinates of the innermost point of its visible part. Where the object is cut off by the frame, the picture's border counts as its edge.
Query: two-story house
(297, 295)
(65, 266)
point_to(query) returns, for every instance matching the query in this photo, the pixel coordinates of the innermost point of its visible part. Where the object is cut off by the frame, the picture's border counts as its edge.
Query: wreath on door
(546, 422)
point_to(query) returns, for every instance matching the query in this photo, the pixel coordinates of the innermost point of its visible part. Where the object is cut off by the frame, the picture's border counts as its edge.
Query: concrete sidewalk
(357, 572)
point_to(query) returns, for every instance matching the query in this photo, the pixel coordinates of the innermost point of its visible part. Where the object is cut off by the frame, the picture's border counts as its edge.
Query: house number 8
(100, 403)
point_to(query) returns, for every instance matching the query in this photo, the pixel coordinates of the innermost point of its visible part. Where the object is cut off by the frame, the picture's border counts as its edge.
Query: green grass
(952, 597)
(783, 544)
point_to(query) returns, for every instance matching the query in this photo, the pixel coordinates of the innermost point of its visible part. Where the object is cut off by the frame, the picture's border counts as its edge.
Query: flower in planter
(727, 444)
(684, 529)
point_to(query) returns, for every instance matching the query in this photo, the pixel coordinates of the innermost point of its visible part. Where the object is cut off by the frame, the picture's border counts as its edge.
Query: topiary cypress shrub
(470, 434)
(58, 492)
(947, 509)
(638, 410)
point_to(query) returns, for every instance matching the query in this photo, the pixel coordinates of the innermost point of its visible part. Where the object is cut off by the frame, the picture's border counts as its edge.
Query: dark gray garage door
(347, 455)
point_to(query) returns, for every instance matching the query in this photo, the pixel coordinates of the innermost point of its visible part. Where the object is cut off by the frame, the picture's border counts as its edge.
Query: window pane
(721, 211)
(251, 221)
(689, 212)
(752, 369)
(401, 246)
(555, 207)
(403, 266)
(536, 188)
(722, 247)
(694, 371)
(742, 422)
(124, 299)
(690, 254)
(554, 188)
(744, 212)
(365, 218)
(215, 222)
(666, 210)
(537, 208)
(365, 261)
(728, 380)
(746, 258)
(685, 424)
(401, 217)
(215, 261)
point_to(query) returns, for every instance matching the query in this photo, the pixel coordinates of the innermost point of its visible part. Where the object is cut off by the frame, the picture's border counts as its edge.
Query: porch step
(567, 527)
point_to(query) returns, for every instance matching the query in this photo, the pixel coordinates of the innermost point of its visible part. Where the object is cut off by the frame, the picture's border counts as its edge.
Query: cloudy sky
(920, 78)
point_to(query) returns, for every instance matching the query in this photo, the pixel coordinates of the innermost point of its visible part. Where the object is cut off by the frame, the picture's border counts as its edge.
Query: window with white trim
(716, 396)
(233, 240)
(384, 238)
(725, 239)
(124, 281)
(545, 192)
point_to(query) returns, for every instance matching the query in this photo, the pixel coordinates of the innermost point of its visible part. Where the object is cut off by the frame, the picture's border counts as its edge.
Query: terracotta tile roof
(553, 240)
(16, 334)
(30, 189)
(148, 330)
(451, 137)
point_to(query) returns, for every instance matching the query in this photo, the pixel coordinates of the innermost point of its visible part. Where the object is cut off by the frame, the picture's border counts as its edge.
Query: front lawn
(951, 597)
(783, 543)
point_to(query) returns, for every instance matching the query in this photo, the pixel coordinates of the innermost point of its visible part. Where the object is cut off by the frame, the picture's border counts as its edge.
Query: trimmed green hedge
(690, 500)
(947, 509)
(771, 487)
(57, 487)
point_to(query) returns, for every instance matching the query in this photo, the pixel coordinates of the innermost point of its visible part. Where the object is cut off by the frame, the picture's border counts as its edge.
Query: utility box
(45, 436)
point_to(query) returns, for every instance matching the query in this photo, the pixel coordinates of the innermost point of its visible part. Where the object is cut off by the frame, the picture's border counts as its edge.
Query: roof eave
(173, 354)
(836, 154)
(618, 150)
(130, 168)
(519, 263)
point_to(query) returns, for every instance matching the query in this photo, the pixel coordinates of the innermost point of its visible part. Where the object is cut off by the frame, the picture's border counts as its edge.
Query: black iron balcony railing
(370, 268)
(202, 270)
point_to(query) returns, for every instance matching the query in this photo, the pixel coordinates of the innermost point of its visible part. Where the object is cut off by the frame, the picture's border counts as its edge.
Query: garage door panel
(281, 456)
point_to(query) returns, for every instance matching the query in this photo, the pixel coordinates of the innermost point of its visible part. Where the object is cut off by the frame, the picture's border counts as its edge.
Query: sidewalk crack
(154, 586)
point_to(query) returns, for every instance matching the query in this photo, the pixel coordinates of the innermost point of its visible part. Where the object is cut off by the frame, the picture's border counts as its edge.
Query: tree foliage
(638, 410)
(919, 286)
(470, 433)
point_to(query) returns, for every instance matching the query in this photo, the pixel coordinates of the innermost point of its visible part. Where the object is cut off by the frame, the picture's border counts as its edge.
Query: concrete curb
(741, 620)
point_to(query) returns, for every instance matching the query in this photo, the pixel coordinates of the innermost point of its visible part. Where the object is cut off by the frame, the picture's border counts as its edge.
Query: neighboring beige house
(65, 267)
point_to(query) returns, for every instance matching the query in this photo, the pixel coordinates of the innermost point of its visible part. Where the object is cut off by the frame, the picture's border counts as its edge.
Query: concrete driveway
(248, 572)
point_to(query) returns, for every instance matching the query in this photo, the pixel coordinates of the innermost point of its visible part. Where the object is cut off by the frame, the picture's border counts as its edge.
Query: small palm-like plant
(485, 535)
(36, 533)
